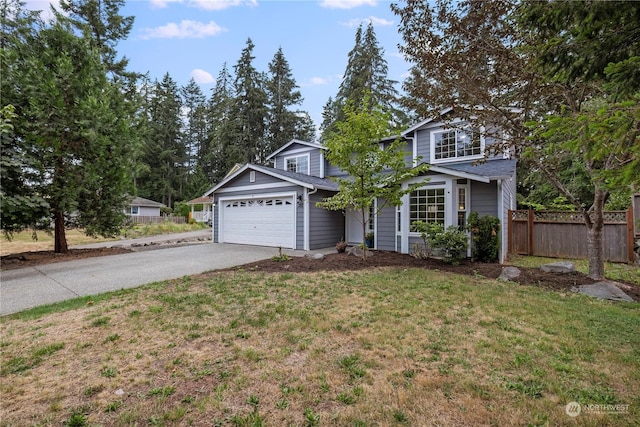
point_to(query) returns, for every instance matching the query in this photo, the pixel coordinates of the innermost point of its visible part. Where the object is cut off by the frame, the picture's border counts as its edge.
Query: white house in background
(139, 206)
(276, 206)
(206, 214)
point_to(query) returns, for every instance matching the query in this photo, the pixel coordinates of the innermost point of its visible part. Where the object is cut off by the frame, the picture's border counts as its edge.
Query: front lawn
(385, 346)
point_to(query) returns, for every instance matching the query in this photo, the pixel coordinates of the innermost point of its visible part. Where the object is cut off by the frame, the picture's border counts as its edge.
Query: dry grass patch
(378, 347)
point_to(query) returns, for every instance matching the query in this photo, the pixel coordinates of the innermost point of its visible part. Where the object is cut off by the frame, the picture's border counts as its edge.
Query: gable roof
(296, 141)
(425, 122)
(484, 172)
(307, 181)
(141, 201)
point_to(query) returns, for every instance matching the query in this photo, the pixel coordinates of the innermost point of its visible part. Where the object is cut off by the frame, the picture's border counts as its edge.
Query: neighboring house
(139, 206)
(276, 206)
(204, 215)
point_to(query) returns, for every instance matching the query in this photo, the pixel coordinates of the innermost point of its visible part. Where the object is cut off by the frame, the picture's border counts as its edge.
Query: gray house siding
(484, 198)
(386, 229)
(326, 227)
(314, 157)
(424, 145)
(244, 180)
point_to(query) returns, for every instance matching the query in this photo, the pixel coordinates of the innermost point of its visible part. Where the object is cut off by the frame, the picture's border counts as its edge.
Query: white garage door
(261, 222)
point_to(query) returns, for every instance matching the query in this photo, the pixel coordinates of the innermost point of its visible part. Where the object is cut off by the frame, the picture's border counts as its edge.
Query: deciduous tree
(374, 172)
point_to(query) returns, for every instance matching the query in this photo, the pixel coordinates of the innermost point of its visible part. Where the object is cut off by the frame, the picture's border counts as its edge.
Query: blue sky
(194, 38)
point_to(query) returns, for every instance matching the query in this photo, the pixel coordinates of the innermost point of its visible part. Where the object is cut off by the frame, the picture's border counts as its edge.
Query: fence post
(510, 231)
(530, 221)
(630, 234)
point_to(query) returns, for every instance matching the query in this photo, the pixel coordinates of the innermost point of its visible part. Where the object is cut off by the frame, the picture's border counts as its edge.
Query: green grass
(616, 271)
(378, 347)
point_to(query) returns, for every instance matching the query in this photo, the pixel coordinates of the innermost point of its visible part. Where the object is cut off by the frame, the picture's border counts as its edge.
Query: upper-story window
(456, 144)
(299, 164)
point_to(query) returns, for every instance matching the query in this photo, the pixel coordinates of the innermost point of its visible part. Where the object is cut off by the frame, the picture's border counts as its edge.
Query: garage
(268, 221)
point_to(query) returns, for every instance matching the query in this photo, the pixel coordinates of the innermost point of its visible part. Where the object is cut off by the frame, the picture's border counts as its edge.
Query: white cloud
(202, 77)
(346, 4)
(186, 29)
(317, 81)
(161, 4)
(378, 22)
(220, 4)
(205, 4)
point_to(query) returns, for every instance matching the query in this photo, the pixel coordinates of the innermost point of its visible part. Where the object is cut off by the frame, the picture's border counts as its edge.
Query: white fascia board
(452, 172)
(259, 169)
(227, 179)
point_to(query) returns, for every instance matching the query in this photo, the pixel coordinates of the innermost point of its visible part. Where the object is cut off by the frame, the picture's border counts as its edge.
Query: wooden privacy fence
(561, 234)
(143, 219)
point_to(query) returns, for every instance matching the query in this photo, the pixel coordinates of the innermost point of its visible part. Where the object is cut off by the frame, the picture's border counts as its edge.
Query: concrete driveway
(34, 286)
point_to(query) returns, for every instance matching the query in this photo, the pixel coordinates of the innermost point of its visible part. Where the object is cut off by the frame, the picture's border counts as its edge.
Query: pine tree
(195, 130)
(365, 75)
(71, 126)
(165, 152)
(100, 22)
(250, 108)
(282, 95)
(221, 152)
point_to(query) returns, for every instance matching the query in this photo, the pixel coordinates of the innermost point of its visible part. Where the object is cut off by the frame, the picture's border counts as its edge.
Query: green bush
(451, 243)
(485, 237)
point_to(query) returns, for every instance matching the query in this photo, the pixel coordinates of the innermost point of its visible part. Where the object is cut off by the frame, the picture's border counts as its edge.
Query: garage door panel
(264, 222)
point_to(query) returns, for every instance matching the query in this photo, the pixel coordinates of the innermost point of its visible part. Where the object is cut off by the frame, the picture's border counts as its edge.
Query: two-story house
(276, 206)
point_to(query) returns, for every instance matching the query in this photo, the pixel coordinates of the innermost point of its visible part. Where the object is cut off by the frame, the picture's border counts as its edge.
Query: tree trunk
(595, 247)
(364, 236)
(60, 237)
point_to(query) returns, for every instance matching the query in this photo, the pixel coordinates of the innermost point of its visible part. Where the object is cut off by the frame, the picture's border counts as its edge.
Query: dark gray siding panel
(484, 198)
(326, 227)
(386, 228)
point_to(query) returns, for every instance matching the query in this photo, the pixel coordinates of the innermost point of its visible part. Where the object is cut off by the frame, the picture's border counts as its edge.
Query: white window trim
(447, 206)
(137, 208)
(308, 157)
(454, 159)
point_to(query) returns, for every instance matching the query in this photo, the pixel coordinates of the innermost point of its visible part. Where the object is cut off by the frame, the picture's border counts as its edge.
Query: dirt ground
(342, 262)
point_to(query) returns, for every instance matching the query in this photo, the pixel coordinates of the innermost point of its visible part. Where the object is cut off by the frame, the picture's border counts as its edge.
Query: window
(427, 205)
(455, 144)
(299, 164)
(462, 208)
(134, 210)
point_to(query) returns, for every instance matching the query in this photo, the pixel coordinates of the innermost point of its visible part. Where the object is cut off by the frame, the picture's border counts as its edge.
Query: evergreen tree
(365, 76)
(165, 152)
(68, 121)
(195, 126)
(250, 108)
(305, 129)
(221, 152)
(282, 95)
(100, 22)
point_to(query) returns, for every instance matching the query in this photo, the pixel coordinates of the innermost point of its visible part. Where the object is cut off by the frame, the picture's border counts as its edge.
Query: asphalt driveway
(35, 286)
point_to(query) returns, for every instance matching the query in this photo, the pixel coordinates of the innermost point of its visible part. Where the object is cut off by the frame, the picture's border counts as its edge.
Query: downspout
(307, 217)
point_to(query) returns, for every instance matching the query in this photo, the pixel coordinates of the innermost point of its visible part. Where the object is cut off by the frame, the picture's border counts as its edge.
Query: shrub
(485, 241)
(452, 242)
(341, 246)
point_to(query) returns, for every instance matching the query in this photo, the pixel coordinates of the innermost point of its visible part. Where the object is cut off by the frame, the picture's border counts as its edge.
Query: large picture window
(299, 164)
(456, 144)
(427, 205)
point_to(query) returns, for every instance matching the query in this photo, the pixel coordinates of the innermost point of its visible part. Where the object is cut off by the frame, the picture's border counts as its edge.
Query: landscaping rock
(604, 290)
(357, 251)
(562, 267)
(509, 273)
(315, 256)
